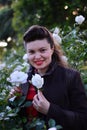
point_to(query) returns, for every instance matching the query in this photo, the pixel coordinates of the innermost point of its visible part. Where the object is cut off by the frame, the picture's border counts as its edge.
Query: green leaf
(51, 123)
(12, 115)
(21, 100)
(18, 101)
(17, 110)
(59, 127)
(27, 104)
(40, 124)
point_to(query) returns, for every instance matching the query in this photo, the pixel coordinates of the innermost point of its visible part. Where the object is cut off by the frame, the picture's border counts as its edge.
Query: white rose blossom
(79, 19)
(64, 58)
(56, 31)
(25, 57)
(24, 66)
(37, 81)
(52, 128)
(18, 68)
(8, 108)
(2, 114)
(56, 36)
(2, 66)
(17, 78)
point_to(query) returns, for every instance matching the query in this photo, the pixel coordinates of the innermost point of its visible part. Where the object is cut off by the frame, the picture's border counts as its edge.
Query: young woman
(63, 97)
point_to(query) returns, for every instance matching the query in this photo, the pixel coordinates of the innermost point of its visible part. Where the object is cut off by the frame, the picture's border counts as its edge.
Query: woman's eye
(31, 52)
(42, 50)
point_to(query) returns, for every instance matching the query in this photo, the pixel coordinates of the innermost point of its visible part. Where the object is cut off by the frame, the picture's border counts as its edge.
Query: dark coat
(64, 89)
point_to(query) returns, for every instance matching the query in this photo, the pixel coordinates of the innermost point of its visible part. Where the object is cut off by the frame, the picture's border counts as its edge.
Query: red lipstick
(38, 62)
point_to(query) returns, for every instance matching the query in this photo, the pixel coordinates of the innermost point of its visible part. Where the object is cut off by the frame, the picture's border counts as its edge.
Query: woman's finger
(14, 91)
(17, 89)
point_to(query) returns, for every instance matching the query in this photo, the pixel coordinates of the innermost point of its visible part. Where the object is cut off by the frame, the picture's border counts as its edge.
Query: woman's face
(39, 54)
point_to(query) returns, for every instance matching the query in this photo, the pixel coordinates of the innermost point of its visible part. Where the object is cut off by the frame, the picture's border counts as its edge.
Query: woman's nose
(37, 55)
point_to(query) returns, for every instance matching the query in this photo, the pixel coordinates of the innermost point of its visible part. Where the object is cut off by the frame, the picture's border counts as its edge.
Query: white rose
(57, 37)
(25, 57)
(52, 128)
(37, 81)
(79, 19)
(8, 108)
(18, 68)
(64, 58)
(2, 114)
(2, 66)
(56, 31)
(18, 77)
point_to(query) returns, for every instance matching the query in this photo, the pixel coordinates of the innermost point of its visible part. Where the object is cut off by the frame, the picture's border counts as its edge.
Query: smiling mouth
(38, 62)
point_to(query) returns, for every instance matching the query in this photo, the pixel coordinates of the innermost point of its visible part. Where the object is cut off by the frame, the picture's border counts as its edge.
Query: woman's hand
(14, 91)
(40, 103)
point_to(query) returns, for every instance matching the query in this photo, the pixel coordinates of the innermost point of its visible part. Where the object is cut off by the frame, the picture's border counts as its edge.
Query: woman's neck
(42, 71)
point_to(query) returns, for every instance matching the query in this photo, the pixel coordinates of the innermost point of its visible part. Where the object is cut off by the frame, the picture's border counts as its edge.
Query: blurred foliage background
(16, 16)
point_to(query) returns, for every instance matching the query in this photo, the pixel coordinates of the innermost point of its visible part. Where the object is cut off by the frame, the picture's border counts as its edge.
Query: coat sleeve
(74, 117)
